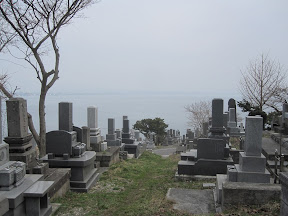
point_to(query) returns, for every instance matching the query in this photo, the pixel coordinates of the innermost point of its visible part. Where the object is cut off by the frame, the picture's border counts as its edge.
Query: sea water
(136, 105)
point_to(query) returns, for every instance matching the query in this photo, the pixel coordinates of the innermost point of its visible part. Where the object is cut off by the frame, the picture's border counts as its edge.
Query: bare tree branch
(198, 113)
(263, 83)
(35, 25)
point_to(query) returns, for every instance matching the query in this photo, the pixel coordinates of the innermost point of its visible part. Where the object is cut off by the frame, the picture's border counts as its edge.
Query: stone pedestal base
(128, 140)
(235, 174)
(95, 139)
(113, 142)
(110, 156)
(28, 157)
(132, 149)
(242, 193)
(83, 173)
(206, 167)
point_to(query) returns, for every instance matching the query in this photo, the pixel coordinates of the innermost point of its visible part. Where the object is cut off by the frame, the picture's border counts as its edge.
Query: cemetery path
(133, 187)
(165, 152)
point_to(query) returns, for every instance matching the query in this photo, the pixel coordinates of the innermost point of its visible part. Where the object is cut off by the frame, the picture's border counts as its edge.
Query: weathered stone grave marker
(66, 152)
(19, 140)
(95, 132)
(251, 169)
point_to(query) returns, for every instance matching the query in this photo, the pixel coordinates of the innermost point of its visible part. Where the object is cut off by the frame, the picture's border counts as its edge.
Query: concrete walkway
(191, 201)
(165, 152)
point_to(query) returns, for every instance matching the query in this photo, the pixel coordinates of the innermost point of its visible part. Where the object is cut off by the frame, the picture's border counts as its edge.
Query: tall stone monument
(232, 128)
(232, 104)
(252, 163)
(212, 154)
(217, 128)
(129, 144)
(19, 139)
(65, 116)
(95, 133)
(250, 177)
(189, 138)
(111, 137)
(64, 151)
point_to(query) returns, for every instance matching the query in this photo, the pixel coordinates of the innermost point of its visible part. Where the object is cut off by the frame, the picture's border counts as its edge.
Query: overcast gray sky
(164, 45)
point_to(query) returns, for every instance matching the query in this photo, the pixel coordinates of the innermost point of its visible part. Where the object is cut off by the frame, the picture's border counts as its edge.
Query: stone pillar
(225, 119)
(217, 129)
(217, 113)
(232, 118)
(137, 135)
(86, 137)
(205, 129)
(252, 163)
(19, 140)
(253, 137)
(65, 116)
(126, 126)
(111, 126)
(17, 118)
(284, 193)
(118, 133)
(95, 133)
(190, 134)
(284, 123)
(111, 137)
(284, 110)
(232, 104)
(92, 117)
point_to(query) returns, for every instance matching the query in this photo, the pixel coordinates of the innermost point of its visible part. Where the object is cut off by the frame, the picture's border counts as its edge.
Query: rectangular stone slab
(249, 193)
(65, 116)
(39, 189)
(208, 148)
(253, 137)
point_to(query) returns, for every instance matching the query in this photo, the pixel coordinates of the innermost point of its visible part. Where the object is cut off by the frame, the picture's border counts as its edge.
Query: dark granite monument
(212, 154)
(64, 151)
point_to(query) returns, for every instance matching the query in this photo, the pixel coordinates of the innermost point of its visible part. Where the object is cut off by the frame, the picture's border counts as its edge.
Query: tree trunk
(42, 121)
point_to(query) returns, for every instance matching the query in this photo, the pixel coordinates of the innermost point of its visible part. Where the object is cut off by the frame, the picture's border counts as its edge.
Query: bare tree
(263, 83)
(36, 24)
(6, 36)
(198, 113)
